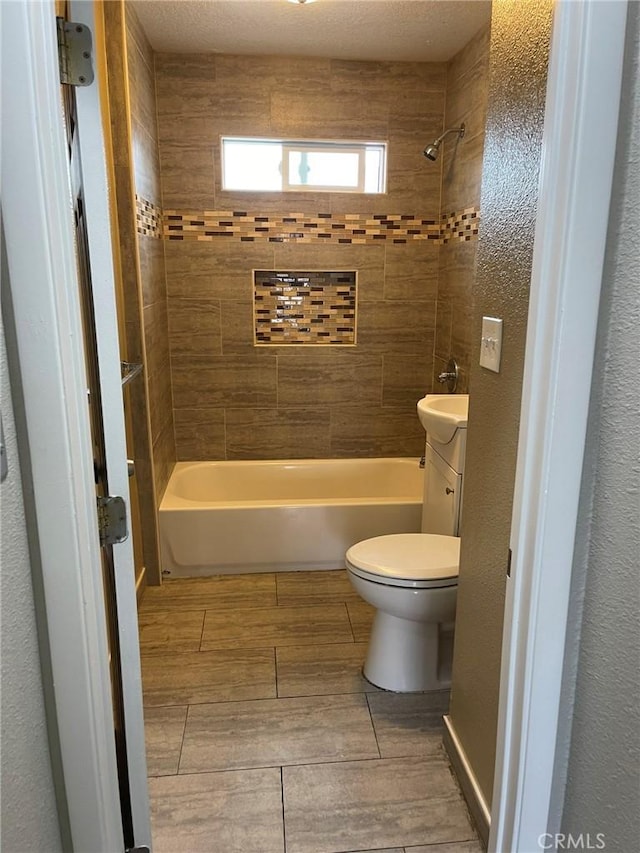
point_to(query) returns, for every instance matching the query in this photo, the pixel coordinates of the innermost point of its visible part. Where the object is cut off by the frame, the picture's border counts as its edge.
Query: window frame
(358, 146)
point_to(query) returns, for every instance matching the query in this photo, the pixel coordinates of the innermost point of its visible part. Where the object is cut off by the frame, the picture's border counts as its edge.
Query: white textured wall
(29, 819)
(603, 663)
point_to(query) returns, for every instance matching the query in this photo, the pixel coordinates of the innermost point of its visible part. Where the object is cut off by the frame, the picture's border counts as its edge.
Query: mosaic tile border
(335, 228)
(461, 226)
(148, 218)
(304, 307)
(347, 228)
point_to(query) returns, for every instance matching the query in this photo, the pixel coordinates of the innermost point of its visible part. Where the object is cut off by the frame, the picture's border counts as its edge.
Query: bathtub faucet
(449, 377)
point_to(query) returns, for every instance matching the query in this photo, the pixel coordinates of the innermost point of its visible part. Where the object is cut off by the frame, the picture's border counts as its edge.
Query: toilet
(411, 579)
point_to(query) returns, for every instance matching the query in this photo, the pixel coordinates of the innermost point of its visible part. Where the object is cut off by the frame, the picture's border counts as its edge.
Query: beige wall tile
(228, 380)
(292, 433)
(206, 270)
(406, 379)
(395, 327)
(152, 270)
(474, 52)
(407, 141)
(187, 176)
(375, 432)
(200, 434)
(329, 378)
(194, 327)
(164, 458)
(182, 68)
(368, 261)
(416, 103)
(467, 92)
(411, 271)
(387, 77)
(336, 116)
(136, 33)
(156, 332)
(142, 90)
(146, 164)
(237, 322)
(462, 169)
(160, 400)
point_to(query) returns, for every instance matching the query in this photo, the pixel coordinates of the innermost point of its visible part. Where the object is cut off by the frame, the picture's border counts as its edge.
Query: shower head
(431, 151)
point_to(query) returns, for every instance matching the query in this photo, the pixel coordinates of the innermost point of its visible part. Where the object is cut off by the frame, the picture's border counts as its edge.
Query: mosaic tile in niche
(304, 307)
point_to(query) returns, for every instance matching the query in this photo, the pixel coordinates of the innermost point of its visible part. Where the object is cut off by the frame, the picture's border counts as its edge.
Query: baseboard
(480, 812)
(141, 583)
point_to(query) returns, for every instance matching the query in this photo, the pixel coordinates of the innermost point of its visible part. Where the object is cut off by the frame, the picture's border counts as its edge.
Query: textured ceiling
(409, 30)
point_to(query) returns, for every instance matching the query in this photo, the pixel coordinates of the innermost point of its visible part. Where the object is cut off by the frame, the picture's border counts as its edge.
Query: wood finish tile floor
(263, 736)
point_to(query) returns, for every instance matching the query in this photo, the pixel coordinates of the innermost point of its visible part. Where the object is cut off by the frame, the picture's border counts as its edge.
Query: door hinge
(112, 520)
(509, 563)
(74, 53)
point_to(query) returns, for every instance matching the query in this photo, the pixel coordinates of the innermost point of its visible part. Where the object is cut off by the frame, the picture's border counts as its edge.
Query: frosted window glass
(324, 168)
(275, 165)
(252, 165)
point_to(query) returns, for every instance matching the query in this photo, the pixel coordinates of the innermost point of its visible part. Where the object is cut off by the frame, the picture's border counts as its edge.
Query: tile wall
(146, 173)
(467, 91)
(233, 400)
(127, 48)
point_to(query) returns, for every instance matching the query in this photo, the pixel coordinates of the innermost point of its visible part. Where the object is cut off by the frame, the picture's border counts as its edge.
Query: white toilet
(411, 578)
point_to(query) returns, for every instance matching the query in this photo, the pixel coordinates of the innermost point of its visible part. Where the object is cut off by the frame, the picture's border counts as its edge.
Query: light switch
(491, 343)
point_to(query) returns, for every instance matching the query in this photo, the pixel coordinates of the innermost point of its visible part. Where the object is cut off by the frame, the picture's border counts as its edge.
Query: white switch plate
(491, 343)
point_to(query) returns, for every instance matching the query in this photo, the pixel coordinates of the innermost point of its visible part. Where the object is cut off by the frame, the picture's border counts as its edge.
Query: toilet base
(406, 656)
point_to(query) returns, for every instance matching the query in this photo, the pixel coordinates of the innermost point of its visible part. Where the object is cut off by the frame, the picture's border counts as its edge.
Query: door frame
(37, 214)
(564, 305)
(579, 147)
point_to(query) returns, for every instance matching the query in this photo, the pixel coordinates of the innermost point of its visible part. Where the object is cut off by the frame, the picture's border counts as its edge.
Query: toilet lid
(419, 560)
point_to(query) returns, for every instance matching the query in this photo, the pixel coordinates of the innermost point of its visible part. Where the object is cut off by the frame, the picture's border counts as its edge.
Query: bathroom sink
(442, 414)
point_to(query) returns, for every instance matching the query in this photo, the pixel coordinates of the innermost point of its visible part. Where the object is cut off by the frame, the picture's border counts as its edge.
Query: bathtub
(233, 517)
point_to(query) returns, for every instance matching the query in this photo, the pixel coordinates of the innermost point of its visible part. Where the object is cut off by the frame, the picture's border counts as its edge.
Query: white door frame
(579, 147)
(98, 219)
(39, 229)
(579, 143)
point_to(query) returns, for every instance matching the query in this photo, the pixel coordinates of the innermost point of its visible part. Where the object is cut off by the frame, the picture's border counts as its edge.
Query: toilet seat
(410, 560)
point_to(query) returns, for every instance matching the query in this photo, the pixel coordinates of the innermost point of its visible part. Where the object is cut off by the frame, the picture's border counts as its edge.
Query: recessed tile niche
(304, 307)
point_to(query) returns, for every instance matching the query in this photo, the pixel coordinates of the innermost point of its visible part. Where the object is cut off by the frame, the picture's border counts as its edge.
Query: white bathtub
(232, 517)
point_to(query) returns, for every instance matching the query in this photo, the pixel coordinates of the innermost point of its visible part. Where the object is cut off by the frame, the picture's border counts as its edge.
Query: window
(276, 165)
